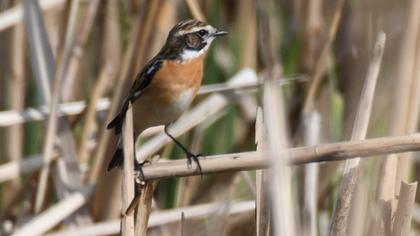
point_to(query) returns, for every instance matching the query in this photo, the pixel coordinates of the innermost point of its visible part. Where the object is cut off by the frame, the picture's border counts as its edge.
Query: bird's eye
(202, 33)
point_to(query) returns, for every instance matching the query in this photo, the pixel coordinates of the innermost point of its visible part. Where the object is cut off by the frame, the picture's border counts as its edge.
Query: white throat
(189, 54)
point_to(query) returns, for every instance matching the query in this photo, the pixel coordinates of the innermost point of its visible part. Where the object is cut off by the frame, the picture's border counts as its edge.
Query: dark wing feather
(143, 79)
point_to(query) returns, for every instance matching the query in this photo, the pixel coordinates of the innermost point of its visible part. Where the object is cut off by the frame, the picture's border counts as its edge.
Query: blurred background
(76, 59)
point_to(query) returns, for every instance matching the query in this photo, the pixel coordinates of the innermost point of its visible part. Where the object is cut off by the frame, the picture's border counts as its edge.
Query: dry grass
(291, 80)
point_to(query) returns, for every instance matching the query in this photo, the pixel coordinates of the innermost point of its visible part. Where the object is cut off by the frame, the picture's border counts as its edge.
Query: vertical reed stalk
(127, 191)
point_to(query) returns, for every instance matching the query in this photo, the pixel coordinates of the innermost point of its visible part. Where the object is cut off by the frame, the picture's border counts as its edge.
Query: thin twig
(14, 169)
(27, 165)
(8, 118)
(322, 62)
(158, 218)
(224, 87)
(12, 117)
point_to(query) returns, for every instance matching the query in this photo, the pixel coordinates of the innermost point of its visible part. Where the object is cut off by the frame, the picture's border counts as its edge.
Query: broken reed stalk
(402, 112)
(297, 156)
(404, 118)
(352, 167)
(128, 185)
(144, 207)
(403, 214)
(408, 87)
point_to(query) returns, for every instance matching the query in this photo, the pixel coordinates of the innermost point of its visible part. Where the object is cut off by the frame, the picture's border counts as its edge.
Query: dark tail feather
(117, 160)
(116, 123)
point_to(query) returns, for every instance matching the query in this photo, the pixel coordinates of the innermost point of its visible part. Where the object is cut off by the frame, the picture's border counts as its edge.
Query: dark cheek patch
(194, 42)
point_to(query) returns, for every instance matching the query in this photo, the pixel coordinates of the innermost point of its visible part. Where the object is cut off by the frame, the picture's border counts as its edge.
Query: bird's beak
(220, 33)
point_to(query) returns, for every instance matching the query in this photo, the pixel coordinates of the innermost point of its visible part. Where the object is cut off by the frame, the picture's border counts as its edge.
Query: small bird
(167, 85)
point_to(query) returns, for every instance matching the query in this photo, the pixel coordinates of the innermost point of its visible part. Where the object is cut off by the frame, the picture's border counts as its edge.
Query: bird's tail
(118, 157)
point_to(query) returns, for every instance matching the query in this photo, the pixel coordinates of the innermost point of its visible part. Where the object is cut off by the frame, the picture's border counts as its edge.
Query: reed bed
(308, 120)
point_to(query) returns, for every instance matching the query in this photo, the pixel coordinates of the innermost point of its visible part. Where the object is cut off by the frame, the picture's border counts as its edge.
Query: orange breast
(169, 93)
(174, 77)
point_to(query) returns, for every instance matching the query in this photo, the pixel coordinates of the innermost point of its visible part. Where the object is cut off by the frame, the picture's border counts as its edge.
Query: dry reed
(271, 142)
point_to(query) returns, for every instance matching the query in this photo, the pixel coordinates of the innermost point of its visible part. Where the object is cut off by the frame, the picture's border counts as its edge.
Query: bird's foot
(138, 171)
(194, 157)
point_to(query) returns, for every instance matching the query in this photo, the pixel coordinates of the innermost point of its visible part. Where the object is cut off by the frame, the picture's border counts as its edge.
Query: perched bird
(167, 84)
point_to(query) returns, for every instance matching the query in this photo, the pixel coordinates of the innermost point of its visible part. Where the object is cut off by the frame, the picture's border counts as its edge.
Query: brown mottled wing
(143, 79)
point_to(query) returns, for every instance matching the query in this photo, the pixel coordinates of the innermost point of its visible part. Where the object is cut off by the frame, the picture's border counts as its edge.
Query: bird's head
(190, 39)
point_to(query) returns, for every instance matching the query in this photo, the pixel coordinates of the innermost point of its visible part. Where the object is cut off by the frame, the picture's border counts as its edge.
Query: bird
(167, 85)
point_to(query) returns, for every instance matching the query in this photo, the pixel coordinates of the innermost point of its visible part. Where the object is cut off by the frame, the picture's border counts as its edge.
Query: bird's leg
(190, 156)
(138, 166)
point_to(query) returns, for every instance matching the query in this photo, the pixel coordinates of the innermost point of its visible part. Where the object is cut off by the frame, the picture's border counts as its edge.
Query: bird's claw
(138, 172)
(194, 157)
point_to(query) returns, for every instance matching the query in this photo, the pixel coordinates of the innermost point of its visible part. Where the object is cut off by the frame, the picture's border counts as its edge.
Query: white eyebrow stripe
(194, 29)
